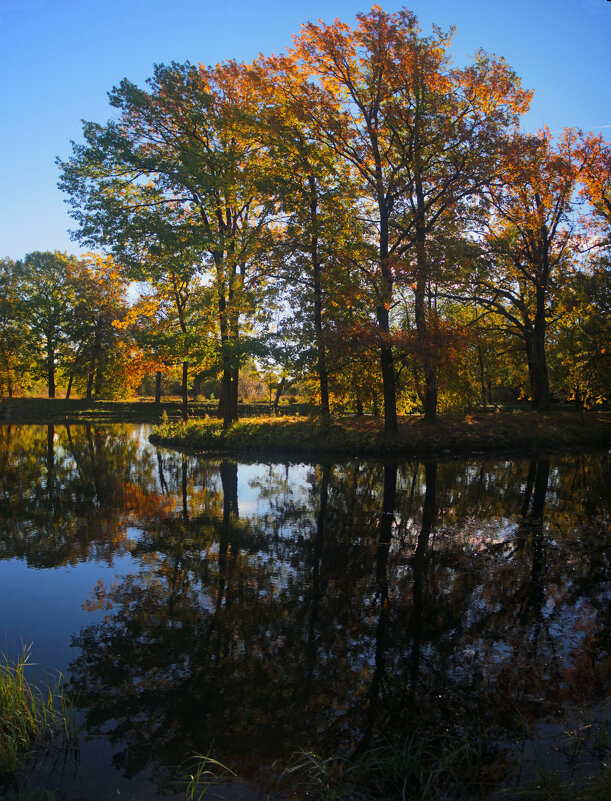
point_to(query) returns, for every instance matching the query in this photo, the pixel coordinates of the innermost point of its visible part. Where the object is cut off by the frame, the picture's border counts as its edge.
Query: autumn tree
(48, 294)
(180, 304)
(418, 136)
(529, 244)
(595, 176)
(316, 227)
(100, 356)
(177, 168)
(581, 358)
(13, 329)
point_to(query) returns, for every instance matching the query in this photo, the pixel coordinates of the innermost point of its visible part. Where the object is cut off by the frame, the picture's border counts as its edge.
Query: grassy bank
(291, 436)
(78, 410)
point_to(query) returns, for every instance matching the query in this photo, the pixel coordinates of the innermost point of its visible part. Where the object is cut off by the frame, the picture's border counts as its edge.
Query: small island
(296, 437)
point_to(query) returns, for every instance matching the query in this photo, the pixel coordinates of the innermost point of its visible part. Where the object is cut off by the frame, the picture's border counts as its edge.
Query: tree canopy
(360, 200)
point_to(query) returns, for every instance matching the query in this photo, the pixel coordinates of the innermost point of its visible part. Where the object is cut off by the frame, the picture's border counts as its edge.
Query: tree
(316, 230)
(48, 296)
(581, 354)
(100, 355)
(13, 356)
(595, 175)
(177, 172)
(418, 136)
(529, 243)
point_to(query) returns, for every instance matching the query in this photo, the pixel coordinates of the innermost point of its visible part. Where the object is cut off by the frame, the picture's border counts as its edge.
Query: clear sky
(59, 58)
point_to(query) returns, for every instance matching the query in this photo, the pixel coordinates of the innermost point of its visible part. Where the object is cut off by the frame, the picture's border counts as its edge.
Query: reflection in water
(269, 608)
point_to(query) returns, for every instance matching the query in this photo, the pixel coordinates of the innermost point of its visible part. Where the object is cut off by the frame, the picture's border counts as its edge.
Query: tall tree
(177, 170)
(317, 230)
(13, 329)
(48, 296)
(530, 243)
(418, 136)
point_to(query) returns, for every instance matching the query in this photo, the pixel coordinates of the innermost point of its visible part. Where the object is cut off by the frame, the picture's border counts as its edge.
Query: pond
(250, 610)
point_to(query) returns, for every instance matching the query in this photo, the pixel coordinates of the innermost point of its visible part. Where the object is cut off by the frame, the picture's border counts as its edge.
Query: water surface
(248, 610)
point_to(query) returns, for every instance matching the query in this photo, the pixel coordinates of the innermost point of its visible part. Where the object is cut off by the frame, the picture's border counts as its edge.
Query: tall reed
(33, 718)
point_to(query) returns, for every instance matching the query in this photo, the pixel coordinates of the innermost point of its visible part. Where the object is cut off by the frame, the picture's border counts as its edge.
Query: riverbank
(79, 410)
(359, 436)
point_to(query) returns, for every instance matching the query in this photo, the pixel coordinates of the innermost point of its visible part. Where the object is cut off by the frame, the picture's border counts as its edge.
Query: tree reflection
(352, 602)
(69, 493)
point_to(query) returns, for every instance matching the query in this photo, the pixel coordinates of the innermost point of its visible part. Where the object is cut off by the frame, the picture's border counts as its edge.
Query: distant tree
(581, 357)
(46, 284)
(14, 361)
(100, 356)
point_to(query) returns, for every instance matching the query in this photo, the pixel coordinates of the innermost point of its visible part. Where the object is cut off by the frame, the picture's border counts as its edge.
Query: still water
(247, 610)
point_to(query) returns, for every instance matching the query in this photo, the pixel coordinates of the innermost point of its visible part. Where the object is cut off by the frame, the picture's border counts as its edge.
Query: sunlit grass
(356, 436)
(33, 719)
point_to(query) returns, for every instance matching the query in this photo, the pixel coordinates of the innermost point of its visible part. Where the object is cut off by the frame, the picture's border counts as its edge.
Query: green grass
(33, 719)
(204, 774)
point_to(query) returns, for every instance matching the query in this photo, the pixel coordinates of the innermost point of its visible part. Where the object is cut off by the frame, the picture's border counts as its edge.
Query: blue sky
(59, 58)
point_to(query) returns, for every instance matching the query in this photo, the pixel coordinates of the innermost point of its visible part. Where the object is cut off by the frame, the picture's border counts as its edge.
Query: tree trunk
(90, 377)
(537, 370)
(225, 404)
(383, 315)
(321, 353)
(429, 398)
(278, 395)
(235, 377)
(92, 365)
(158, 387)
(184, 392)
(69, 388)
(51, 368)
(429, 358)
(388, 372)
(359, 404)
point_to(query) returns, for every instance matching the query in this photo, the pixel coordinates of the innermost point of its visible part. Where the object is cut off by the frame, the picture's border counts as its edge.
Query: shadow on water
(249, 610)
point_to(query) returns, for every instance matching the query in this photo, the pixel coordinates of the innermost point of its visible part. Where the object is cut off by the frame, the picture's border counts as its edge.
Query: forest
(358, 220)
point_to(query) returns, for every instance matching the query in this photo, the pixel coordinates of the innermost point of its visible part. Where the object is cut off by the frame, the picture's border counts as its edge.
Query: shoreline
(295, 436)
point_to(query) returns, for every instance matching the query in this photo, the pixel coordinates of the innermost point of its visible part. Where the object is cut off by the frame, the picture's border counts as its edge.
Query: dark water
(248, 610)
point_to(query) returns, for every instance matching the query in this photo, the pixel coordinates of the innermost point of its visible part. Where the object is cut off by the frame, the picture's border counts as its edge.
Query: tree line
(359, 212)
